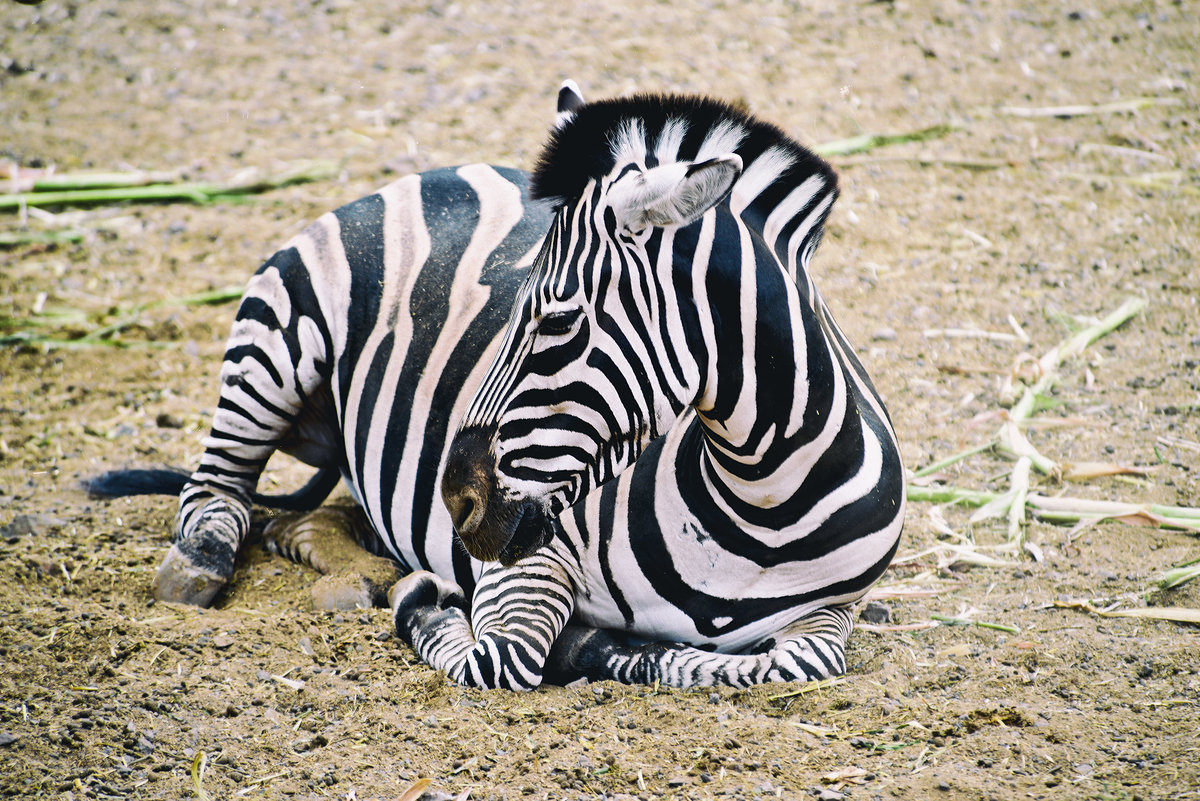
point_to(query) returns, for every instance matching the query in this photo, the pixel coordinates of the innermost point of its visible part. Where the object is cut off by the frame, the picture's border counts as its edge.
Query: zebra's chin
(533, 530)
(510, 534)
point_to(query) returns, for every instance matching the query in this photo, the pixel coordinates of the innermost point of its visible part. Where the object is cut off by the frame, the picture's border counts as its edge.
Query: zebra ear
(673, 194)
(570, 100)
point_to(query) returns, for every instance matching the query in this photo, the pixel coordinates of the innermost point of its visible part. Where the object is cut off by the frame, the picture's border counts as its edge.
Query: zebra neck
(785, 194)
(772, 393)
(766, 463)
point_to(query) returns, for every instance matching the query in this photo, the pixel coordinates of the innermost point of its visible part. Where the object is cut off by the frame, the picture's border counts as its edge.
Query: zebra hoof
(579, 652)
(344, 592)
(188, 575)
(418, 596)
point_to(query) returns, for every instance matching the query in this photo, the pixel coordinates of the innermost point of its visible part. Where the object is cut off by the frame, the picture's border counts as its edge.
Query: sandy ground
(1015, 221)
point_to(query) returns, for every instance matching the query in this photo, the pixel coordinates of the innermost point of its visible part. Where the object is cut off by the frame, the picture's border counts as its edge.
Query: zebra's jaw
(531, 530)
(508, 532)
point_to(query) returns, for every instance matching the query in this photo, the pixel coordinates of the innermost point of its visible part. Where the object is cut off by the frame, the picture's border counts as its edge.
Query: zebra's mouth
(491, 524)
(531, 530)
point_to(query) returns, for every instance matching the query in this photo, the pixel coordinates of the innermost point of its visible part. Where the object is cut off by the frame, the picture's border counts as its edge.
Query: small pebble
(884, 334)
(20, 526)
(877, 612)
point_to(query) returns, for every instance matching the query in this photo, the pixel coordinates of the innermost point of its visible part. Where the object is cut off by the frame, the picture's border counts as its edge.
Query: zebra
(668, 466)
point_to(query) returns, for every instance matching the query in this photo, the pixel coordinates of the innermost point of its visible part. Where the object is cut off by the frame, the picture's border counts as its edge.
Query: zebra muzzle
(492, 527)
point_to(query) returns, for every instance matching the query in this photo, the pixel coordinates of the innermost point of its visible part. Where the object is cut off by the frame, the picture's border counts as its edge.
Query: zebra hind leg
(330, 540)
(200, 563)
(812, 648)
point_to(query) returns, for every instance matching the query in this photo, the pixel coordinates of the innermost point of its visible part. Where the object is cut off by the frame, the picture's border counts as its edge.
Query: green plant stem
(194, 192)
(103, 334)
(947, 495)
(865, 142)
(10, 239)
(958, 621)
(1064, 509)
(1133, 104)
(88, 189)
(950, 460)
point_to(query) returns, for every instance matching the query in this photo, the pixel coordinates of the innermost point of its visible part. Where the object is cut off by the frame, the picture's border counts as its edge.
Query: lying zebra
(669, 464)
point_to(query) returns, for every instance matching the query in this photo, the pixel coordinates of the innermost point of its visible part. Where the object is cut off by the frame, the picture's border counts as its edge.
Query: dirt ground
(1015, 220)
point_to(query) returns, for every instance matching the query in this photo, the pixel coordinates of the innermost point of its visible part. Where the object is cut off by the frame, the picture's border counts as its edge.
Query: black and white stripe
(662, 458)
(674, 395)
(356, 348)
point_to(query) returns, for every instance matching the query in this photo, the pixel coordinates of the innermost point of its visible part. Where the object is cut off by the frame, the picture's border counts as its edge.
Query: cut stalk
(94, 180)
(1020, 491)
(1133, 104)
(949, 495)
(1062, 509)
(1012, 441)
(955, 459)
(865, 142)
(1178, 575)
(90, 189)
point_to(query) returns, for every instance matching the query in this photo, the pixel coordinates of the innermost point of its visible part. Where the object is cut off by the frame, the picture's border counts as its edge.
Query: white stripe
(500, 209)
(628, 144)
(723, 139)
(800, 233)
(669, 141)
(791, 206)
(758, 175)
(406, 247)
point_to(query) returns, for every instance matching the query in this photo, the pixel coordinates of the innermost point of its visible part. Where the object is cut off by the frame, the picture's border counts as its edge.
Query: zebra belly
(652, 565)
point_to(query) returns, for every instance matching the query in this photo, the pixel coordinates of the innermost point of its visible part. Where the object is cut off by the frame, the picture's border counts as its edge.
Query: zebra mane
(664, 128)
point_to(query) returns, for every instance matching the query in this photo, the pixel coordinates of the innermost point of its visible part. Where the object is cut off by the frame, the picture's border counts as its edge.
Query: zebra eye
(559, 323)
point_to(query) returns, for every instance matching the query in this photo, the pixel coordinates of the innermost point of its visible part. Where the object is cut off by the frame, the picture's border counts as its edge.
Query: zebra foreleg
(812, 648)
(330, 540)
(515, 615)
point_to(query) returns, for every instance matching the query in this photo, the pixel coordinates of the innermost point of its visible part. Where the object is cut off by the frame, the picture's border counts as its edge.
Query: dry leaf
(415, 790)
(1179, 614)
(1082, 471)
(955, 650)
(846, 776)
(819, 731)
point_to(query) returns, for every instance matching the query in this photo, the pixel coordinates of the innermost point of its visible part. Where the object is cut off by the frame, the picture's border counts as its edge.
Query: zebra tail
(171, 481)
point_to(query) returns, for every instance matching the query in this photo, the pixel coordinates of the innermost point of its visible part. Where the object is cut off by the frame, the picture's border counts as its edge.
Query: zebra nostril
(466, 509)
(468, 479)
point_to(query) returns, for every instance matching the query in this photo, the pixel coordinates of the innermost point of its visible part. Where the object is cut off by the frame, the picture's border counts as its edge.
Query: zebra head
(587, 373)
